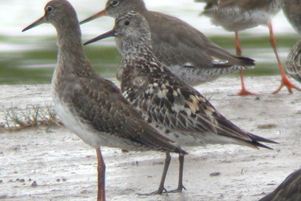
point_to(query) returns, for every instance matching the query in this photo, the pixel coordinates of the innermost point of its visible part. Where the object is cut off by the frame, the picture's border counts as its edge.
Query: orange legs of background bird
(284, 79)
(243, 91)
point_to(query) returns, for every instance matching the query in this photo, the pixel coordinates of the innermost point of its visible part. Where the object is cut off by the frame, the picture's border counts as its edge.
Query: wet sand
(56, 165)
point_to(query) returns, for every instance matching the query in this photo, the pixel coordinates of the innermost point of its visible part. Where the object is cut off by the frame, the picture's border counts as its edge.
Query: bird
(89, 105)
(168, 103)
(291, 10)
(238, 15)
(187, 52)
(293, 62)
(288, 190)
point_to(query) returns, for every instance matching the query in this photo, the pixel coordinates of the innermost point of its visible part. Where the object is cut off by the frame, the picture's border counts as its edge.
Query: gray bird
(169, 104)
(89, 105)
(184, 50)
(238, 15)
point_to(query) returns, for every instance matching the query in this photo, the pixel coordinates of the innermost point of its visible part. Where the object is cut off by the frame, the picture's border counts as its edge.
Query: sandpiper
(288, 190)
(238, 15)
(89, 105)
(187, 52)
(293, 62)
(291, 9)
(168, 103)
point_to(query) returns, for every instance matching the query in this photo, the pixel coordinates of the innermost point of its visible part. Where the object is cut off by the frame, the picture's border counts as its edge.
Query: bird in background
(168, 103)
(184, 50)
(238, 15)
(288, 190)
(291, 9)
(88, 104)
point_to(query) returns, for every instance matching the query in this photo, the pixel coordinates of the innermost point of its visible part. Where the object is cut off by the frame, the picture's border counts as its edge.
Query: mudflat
(54, 164)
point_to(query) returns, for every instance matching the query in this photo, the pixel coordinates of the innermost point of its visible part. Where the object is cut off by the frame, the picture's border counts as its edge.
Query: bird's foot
(244, 92)
(157, 192)
(178, 190)
(286, 83)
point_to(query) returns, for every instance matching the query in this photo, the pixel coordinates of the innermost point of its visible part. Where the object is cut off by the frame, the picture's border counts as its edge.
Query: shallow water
(30, 57)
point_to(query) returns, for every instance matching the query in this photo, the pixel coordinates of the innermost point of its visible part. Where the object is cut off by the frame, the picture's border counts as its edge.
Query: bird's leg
(165, 169)
(181, 171)
(101, 169)
(243, 91)
(284, 79)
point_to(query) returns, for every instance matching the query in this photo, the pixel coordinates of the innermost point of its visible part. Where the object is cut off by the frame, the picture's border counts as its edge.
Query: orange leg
(284, 79)
(101, 169)
(243, 91)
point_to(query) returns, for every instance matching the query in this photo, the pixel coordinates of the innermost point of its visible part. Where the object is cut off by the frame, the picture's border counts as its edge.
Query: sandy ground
(57, 165)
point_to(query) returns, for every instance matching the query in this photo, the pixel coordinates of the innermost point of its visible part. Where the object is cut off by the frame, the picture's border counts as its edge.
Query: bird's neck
(139, 62)
(71, 61)
(71, 55)
(137, 51)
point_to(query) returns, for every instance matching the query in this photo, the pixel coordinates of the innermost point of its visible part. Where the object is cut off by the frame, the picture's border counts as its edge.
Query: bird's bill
(102, 36)
(36, 23)
(97, 15)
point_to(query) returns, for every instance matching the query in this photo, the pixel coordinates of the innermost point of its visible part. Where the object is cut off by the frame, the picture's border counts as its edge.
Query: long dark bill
(36, 23)
(102, 36)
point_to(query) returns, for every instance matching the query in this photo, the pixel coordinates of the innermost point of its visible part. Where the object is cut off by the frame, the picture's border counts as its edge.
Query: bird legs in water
(284, 79)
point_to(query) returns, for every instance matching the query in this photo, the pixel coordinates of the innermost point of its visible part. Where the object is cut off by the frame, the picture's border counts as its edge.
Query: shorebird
(293, 62)
(187, 52)
(168, 103)
(288, 190)
(291, 9)
(88, 104)
(238, 15)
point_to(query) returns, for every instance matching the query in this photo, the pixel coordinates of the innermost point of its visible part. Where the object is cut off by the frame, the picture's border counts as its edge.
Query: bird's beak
(97, 15)
(36, 23)
(111, 33)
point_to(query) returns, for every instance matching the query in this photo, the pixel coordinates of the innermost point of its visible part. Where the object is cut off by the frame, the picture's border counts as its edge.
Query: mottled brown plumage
(89, 105)
(169, 104)
(187, 52)
(288, 190)
(293, 62)
(291, 9)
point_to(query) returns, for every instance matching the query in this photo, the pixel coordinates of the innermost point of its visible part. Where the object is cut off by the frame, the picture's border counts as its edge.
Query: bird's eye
(49, 9)
(126, 23)
(115, 3)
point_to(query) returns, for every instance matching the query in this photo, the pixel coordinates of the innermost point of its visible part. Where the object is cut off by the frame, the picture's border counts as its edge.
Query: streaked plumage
(169, 104)
(89, 105)
(237, 15)
(291, 9)
(288, 190)
(293, 62)
(187, 52)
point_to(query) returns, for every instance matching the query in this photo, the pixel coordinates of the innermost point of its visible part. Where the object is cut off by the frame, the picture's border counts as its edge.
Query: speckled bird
(89, 105)
(238, 15)
(291, 9)
(184, 50)
(288, 190)
(169, 104)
